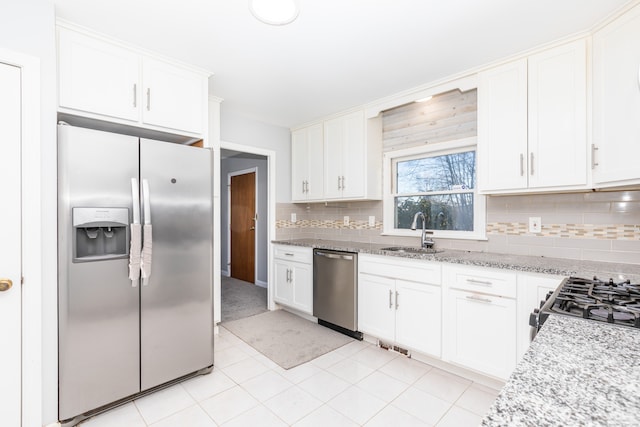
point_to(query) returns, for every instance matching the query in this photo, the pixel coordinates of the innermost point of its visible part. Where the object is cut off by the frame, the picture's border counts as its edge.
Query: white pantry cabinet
(105, 80)
(294, 277)
(532, 122)
(399, 301)
(307, 164)
(479, 326)
(532, 289)
(616, 102)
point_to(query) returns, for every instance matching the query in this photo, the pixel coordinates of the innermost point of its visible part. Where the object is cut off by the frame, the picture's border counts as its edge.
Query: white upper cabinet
(337, 159)
(99, 77)
(345, 151)
(107, 81)
(307, 165)
(173, 96)
(616, 102)
(532, 122)
(502, 127)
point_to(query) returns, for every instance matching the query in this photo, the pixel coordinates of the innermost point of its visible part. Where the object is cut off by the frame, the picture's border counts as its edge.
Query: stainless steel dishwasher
(335, 290)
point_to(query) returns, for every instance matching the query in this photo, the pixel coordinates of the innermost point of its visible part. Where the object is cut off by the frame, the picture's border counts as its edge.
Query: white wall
(234, 164)
(28, 27)
(241, 129)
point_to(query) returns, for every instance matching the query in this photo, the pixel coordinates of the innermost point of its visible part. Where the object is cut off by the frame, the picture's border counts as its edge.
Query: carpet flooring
(285, 338)
(241, 299)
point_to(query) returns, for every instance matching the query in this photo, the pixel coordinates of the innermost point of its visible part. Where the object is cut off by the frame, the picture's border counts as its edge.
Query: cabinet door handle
(479, 299)
(593, 154)
(306, 187)
(480, 282)
(135, 95)
(288, 275)
(521, 164)
(343, 184)
(390, 297)
(148, 99)
(397, 295)
(339, 188)
(531, 165)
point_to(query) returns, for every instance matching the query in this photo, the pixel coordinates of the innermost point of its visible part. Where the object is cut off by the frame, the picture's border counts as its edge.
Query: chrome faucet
(425, 242)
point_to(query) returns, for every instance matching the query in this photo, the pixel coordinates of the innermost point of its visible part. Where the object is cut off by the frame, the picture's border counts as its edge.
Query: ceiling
(338, 54)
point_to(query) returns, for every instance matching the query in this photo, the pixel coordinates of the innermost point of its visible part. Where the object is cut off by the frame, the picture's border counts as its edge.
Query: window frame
(431, 150)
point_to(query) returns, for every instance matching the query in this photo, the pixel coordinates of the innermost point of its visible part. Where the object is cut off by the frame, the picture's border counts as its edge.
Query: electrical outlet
(535, 224)
(346, 220)
(293, 217)
(372, 221)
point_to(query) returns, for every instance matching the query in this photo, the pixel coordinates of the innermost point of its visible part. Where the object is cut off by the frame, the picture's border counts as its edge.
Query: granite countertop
(532, 264)
(576, 373)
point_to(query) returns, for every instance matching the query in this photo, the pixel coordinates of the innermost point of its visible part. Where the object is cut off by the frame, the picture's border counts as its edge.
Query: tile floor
(355, 385)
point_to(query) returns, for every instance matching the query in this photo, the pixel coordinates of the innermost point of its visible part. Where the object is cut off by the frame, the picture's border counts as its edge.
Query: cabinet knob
(5, 284)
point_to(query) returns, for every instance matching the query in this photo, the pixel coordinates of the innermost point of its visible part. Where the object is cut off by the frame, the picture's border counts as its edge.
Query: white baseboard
(262, 284)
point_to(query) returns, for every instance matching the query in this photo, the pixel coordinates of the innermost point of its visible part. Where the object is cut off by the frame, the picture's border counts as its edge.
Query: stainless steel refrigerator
(135, 266)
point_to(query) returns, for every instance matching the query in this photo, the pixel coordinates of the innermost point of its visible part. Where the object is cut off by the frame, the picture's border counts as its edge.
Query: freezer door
(176, 301)
(98, 356)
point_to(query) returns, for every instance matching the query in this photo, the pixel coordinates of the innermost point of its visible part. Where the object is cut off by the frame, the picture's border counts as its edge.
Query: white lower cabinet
(399, 301)
(294, 277)
(532, 289)
(480, 319)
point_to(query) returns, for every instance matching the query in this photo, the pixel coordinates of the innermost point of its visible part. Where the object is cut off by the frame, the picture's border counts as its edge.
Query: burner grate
(595, 299)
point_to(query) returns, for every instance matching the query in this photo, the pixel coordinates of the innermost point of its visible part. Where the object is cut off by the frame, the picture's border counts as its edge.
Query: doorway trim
(31, 351)
(271, 203)
(255, 235)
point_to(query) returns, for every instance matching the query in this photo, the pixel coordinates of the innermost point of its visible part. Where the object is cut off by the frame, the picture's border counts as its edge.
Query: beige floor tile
(258, 416)
(477, 399)
(229, 404)
(429, 409)
(193, 416)
(458, 417)
(293, 404)
(392, 416)
(163, 403)
(325, 416)
(443, 385)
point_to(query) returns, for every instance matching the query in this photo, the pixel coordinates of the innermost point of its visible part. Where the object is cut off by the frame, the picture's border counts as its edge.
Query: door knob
(5, 284)
(252, 228)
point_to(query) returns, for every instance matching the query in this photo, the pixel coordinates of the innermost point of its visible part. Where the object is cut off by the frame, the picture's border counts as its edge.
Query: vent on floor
(395, 348)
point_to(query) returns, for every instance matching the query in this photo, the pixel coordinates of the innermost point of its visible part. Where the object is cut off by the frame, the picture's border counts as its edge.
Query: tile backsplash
(601, 226)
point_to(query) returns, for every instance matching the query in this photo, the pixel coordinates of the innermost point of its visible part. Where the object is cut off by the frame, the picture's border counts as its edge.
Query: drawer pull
(479, 299)
(288, 254)
(480, 282)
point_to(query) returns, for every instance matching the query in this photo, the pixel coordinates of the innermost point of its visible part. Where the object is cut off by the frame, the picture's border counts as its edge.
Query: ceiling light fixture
(425, 99)
(275, 12)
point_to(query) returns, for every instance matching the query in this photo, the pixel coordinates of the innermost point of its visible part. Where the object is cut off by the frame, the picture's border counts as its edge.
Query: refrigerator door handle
(147, 252)
(136, 236)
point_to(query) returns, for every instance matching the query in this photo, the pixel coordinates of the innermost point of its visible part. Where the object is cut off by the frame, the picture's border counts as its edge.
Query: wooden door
(10, 249)
(243, 226)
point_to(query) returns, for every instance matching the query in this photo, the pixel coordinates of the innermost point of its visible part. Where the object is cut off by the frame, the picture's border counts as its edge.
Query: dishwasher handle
(334, 256)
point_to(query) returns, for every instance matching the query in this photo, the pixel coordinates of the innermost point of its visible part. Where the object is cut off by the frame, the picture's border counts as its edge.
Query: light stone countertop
(530, 264)
(576, 372)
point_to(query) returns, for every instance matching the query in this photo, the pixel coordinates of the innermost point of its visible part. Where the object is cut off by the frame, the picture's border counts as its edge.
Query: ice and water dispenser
(100, 234)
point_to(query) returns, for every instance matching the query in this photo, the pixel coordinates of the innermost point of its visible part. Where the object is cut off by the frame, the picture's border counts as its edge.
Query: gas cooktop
(595, 299)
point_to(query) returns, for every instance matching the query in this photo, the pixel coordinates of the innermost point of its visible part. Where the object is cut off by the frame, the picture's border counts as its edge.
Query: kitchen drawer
(481, 280)
(398, 268)
(293, 253)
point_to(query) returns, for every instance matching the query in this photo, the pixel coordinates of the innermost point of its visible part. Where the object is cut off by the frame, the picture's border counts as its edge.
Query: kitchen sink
(412, 250)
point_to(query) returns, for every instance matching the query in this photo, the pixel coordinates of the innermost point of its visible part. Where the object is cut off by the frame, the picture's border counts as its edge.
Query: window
(440, 182)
